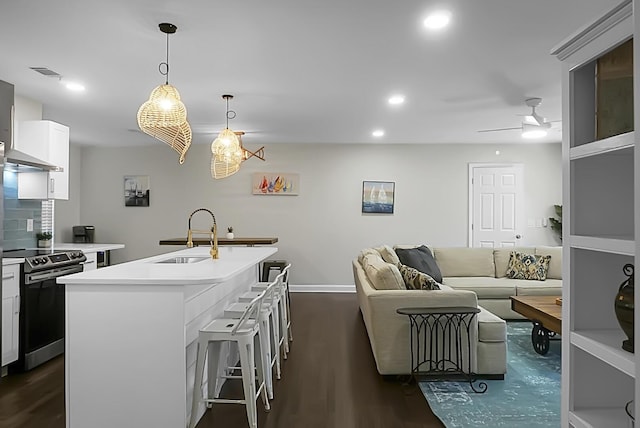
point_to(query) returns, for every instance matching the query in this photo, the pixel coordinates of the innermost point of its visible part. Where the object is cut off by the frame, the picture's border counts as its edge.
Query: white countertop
(148, 272)
(12, 261)
(87, 248)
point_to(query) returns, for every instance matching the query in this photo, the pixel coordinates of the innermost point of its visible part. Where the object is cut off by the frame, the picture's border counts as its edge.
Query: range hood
(12, 155)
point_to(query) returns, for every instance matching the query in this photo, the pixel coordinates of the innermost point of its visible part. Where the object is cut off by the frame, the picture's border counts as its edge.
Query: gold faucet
(213, 234)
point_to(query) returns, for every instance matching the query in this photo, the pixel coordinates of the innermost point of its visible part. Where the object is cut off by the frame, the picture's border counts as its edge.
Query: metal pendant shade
(164, 115)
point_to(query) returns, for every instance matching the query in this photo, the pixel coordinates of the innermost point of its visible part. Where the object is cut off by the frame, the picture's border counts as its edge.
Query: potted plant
(44, 239)
(230, 232)
(556, 225)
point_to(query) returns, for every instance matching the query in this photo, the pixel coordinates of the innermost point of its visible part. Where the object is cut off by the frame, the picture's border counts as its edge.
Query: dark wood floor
(329, 381)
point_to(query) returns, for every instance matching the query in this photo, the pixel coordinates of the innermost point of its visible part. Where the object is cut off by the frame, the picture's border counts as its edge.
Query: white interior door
(497, 205)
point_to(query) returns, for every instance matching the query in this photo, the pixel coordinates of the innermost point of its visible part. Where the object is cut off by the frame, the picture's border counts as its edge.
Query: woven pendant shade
(164, 116)
(163, 108)
(226, 154)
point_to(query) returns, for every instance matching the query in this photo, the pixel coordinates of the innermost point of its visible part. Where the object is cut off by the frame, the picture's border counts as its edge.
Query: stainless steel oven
(42, 305)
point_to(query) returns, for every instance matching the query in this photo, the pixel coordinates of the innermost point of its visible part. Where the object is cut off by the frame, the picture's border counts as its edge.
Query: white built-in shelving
(599, 417)
(606, 145)
(605, 345)
(605, 243)
(600, 199)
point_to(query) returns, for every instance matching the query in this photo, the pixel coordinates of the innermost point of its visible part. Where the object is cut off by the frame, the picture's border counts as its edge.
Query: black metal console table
(437, 338)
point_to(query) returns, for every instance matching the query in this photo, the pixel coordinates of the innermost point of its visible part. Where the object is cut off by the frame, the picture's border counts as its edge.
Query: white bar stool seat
(279, 309)
(286, 300)
(245, 332)
(269, 322)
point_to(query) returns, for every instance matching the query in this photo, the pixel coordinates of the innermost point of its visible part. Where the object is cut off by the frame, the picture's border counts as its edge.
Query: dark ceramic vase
(624, 306)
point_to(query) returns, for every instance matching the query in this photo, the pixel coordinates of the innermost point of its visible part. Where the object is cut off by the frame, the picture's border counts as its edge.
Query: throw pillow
(382, 275)
(420, 258)
(416, 280)
(388, 255)
(528, 266)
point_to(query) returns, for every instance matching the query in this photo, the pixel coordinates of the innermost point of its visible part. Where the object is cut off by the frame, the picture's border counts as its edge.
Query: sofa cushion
(484, 287)
(491, 328)
(501, 258)
(550, 287)
(416, 280)
(528, 266)
(462, 261)
(388, 255)
(420, 258)
(555, 265)
(382, 275)
(365, 252)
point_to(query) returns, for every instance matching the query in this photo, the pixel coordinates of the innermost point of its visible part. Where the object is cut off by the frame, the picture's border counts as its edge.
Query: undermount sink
(183, 259)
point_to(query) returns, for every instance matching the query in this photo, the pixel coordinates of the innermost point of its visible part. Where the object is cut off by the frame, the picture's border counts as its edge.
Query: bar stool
(283, 309)
(285, 293)
(268, 318)
(245, 332)
(268, 265)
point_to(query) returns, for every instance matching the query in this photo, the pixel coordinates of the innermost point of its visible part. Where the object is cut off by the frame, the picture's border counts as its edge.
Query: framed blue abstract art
(378, 197)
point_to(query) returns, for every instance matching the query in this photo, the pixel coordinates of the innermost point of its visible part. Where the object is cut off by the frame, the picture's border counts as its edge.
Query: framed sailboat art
(378, 197)
(275, 183)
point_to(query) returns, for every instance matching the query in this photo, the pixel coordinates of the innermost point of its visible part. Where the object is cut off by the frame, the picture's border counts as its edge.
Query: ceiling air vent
(46, 72)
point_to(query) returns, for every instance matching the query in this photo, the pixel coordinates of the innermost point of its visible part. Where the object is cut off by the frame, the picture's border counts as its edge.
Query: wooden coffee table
(546, 316)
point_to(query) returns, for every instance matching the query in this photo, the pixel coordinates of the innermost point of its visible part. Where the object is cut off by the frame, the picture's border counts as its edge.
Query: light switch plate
(29, 225)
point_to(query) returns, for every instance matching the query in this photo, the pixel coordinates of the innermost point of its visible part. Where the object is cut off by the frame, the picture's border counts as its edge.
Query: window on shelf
(603, 107)
(614, 91)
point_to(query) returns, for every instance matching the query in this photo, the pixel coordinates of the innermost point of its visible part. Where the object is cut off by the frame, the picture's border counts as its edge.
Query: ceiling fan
(533, 125)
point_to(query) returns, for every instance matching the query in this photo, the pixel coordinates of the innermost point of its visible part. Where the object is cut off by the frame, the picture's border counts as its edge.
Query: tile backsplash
(16, 213)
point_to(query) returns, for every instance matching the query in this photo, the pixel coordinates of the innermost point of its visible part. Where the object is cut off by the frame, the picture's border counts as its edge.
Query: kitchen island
(131, 332)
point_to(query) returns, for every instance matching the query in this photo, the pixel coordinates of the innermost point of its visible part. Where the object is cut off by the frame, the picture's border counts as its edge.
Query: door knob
(518, 236)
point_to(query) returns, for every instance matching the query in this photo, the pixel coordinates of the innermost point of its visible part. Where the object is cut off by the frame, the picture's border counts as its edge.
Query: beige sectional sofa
(483, 271)
(389, 331)
(471, 277)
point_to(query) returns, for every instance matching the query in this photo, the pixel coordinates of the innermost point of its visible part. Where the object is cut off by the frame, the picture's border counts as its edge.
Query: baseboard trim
(322, 288)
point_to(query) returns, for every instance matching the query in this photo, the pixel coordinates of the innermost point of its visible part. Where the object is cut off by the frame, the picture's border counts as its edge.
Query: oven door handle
(35, 277)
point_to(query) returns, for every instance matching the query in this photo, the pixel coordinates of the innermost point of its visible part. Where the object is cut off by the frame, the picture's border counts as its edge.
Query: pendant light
(226, 152)
(246, 153)
(163, 115)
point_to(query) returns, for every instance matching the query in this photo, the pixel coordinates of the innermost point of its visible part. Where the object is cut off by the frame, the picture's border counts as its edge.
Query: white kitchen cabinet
(600, 225)
(33, 185)
(48, 141)
(10, 312)
(92, 261)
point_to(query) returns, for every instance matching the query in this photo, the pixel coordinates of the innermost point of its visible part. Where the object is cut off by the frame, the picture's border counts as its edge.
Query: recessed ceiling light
(74, 86)
(498, 152)
(396, 99)
(378, 133)
(438, 20)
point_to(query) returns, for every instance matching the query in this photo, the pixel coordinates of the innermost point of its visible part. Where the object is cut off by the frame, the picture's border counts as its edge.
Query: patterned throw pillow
(416, 280)
(527, 266)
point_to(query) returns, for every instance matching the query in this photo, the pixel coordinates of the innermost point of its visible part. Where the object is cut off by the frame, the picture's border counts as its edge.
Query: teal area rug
(528, 397)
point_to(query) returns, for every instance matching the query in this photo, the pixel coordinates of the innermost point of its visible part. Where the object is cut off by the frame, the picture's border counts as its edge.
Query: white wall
(25, 109)
(320, 230)
(67, 213)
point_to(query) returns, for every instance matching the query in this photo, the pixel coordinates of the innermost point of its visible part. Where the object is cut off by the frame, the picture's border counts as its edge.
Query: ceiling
(301, 71)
